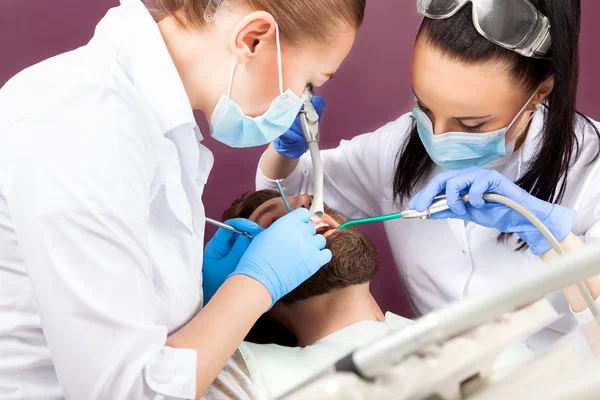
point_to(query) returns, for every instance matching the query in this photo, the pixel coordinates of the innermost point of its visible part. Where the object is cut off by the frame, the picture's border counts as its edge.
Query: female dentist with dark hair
(495, 112)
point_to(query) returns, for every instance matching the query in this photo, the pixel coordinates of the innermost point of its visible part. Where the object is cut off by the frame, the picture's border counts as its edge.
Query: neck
(197, 55)
(315, 318)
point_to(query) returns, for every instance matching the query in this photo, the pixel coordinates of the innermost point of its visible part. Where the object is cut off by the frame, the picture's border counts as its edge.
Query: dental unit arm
(374, 364)
(309, 120)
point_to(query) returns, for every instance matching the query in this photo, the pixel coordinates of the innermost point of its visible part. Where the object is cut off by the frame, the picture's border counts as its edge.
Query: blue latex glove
(292, 144)
(223, 253)
(285, 255)
(476, 182)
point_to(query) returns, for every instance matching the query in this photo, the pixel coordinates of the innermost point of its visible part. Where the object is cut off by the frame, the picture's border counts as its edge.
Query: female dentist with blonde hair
(101, 178)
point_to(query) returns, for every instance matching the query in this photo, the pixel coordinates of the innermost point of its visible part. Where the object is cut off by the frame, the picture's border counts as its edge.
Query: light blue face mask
(460, 150)
(229, 124)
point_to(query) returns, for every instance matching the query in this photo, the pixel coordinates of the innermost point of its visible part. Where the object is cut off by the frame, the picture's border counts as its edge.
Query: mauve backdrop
(371, 88)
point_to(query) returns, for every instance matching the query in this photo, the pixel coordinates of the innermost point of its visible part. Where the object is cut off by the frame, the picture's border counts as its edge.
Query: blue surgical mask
(460, 150)
(229, 124)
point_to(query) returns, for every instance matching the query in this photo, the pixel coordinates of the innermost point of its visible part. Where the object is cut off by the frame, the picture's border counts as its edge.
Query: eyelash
(463, 127)
(470, 129)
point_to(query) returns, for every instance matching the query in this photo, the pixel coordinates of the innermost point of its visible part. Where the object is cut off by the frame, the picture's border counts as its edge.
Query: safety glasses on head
(513, 24)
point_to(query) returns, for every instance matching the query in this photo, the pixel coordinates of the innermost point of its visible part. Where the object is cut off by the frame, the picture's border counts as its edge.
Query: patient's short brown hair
(354, 256)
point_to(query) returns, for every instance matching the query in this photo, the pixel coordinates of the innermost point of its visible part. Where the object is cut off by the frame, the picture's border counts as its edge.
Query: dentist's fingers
(319, 241)
(446, 214)
(436, 186)
(325, 256)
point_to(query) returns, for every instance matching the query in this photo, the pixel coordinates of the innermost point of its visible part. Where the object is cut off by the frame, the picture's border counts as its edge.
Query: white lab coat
(443, 261)
(101, 222)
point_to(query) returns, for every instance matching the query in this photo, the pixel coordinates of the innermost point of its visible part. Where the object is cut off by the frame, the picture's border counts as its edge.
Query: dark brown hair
(547, 175)
(297, 19)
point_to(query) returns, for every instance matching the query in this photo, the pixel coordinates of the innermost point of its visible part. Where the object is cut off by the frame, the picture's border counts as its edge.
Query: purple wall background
(372, 88)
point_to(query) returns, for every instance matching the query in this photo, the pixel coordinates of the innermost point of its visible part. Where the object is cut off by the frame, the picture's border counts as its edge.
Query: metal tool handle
(228, 227)
(309, 119)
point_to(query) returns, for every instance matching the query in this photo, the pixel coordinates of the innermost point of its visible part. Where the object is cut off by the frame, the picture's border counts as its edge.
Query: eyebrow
(456, 118)
(266, 210)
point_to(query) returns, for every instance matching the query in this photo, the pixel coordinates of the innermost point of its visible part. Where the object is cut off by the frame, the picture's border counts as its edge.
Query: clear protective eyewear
(513, 24)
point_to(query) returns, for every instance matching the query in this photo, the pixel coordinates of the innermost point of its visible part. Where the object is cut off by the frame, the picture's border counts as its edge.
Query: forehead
(455, 85)
(328, 55)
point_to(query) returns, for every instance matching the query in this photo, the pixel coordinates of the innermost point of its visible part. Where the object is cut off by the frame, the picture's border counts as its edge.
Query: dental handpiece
(439, 204)
(309, 120)
(227, 227)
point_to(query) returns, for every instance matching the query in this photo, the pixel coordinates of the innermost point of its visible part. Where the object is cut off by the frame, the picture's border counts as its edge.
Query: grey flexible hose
(583, 289)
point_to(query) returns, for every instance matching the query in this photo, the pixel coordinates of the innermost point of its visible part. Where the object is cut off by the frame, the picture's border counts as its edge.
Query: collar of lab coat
(131, 31)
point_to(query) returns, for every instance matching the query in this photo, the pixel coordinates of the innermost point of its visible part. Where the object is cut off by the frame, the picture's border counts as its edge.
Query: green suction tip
(370, 220)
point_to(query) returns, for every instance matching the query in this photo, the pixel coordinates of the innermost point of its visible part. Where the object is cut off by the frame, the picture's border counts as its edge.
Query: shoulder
(83, 94)
(586, 159)
(90, 80)
(384, 141)
(583, 182)
(395, 131)
(91, 122)
(587, 132)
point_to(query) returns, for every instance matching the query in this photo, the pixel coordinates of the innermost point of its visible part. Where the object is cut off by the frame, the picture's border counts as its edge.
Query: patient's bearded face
(354, 256)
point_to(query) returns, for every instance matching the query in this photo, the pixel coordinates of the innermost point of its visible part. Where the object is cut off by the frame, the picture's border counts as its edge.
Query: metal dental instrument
(228, 227)
(287, 205)
(309, 120)
(440, 204)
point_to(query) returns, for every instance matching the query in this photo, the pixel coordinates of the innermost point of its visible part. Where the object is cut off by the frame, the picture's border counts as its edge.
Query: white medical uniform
(101, 222)
(443, 261)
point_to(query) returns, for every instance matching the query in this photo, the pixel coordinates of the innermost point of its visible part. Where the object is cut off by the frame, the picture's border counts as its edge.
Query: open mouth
(326, 226)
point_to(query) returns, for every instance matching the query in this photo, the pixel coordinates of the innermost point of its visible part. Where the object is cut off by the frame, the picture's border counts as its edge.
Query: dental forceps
(309, 120)
(228, 227)
(282, 194)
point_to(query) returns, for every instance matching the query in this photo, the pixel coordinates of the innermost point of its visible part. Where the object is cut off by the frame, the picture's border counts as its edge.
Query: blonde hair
(297, 19)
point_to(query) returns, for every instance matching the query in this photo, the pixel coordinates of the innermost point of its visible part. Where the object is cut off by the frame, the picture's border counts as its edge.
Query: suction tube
(316, 210)
(309, 120)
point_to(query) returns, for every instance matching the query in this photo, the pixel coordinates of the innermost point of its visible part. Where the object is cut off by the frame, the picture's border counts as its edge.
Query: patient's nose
(304, 201)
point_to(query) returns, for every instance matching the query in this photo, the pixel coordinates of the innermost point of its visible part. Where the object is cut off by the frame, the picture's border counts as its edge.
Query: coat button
(163, 371)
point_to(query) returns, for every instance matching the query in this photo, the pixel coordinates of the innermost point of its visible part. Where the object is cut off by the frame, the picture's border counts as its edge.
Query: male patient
(325, 318)
(329, 315)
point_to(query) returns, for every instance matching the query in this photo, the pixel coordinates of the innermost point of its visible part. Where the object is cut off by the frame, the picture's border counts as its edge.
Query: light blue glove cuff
(560, 221)
(255, 272)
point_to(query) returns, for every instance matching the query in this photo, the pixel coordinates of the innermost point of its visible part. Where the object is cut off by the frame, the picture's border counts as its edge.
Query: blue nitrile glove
(292, 144)
(285, 255)
(223, 253)
(477, 181)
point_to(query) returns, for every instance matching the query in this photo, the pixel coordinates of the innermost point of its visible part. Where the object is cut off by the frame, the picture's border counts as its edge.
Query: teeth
(321, 224)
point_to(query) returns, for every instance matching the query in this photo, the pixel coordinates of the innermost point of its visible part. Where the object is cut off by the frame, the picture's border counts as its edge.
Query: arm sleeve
(358, 174)
(587, 225)
(79, 202)
(233, 382)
